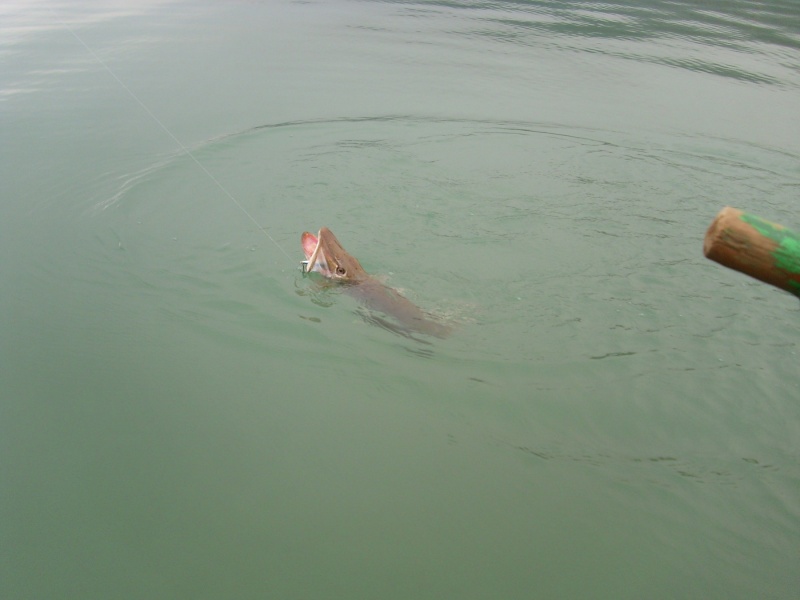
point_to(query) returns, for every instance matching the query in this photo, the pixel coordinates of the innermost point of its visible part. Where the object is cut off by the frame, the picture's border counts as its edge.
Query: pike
(325, 255)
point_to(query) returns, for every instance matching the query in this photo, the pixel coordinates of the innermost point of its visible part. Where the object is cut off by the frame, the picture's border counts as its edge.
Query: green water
(184, 415)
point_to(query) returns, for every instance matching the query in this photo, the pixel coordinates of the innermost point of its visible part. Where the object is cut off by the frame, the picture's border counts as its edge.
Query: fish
(326, 256)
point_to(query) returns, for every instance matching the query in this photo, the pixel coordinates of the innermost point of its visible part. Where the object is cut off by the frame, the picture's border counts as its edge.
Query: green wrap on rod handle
(759, 248)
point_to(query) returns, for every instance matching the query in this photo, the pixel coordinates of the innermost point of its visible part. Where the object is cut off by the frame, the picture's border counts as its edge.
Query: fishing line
(174, 138)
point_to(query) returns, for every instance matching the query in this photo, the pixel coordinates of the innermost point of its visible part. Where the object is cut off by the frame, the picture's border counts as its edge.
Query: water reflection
(23, 26)
(738, 40)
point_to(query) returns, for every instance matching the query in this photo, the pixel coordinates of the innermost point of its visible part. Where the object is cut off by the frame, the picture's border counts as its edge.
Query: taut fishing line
(175, 139)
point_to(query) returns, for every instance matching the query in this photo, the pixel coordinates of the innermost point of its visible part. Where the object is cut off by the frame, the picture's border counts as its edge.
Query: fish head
(326, 256)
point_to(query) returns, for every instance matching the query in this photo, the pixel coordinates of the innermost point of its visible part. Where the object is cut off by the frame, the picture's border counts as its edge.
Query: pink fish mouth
(310, 244)
(315, 255)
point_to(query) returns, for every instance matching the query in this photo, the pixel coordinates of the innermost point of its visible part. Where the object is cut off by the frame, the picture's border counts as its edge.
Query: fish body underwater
(326, 256)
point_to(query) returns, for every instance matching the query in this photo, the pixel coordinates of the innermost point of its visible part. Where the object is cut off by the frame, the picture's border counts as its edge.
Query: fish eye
(341, 271)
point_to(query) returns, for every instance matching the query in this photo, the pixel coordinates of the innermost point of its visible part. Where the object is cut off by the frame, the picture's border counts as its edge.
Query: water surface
(185, 415)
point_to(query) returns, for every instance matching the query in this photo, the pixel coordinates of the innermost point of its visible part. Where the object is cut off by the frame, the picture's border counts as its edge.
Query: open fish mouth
(315, 255)
(325, 255)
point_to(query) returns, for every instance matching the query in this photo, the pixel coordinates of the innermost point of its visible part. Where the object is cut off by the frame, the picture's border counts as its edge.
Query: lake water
(183, 414)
